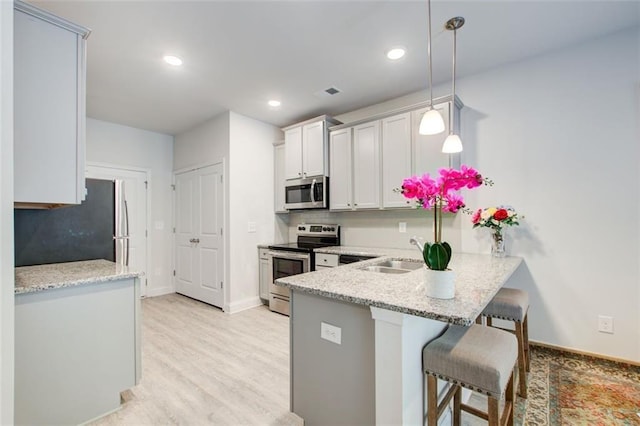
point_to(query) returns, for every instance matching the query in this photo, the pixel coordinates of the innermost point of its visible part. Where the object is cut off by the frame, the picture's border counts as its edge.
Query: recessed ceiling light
(274, 103)
(395, 53)
(173, 60)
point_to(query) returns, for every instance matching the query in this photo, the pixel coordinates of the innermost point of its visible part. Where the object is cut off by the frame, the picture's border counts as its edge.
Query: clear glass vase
(497, 243)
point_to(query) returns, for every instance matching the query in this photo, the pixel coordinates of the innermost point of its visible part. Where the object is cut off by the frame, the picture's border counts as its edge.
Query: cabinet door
(264, 279)
(293, 153)
(48, 112)
(279, 180)
(340, 170)
(427, 149)
(396, 158)
(366, 165)
(313, 149)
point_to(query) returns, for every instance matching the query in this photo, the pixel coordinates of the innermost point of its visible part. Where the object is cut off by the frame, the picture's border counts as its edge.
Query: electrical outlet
(252, 227)
(605, 324)
(331, 333)
(402, 227)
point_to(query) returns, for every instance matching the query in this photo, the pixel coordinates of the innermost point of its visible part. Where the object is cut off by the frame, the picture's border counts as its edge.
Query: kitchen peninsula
(77, 340)
(357, 335)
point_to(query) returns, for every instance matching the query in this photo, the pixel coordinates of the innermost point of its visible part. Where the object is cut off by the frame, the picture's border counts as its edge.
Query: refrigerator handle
(126, 240)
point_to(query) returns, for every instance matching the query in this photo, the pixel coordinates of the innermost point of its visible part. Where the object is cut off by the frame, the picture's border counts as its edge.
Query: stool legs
(522, 359)
(493, 415)
(525, 329)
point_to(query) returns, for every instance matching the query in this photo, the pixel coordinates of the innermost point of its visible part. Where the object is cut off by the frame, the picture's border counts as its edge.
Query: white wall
(130, 147)
(559, 136)
(245, 146)
(6, 213)
(203, 145)
(250, 200)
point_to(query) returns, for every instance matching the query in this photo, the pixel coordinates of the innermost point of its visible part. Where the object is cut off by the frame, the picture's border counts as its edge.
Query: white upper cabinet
(427, 149)
(366, 165)
(49, 108)
(314, 149)
(293, 153)
(279, 180)
(340, 197)
(396, 158)
(307, 148)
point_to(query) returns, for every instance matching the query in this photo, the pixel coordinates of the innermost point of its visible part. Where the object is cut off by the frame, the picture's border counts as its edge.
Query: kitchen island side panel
(75, 351)
(330, 383)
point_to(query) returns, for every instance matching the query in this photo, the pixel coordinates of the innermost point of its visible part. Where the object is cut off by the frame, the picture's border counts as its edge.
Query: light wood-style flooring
(202, 366)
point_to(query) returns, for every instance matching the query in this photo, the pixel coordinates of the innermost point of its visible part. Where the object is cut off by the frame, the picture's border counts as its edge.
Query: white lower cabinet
(325, 260)
(264, 273)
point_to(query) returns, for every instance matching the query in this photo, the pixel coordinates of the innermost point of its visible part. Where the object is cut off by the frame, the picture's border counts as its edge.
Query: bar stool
(512, 304)
(479, 358)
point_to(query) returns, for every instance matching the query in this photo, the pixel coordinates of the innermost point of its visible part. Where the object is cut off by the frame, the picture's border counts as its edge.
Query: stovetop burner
(312, 236)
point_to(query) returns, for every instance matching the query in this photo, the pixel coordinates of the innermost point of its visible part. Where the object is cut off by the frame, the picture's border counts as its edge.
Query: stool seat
(476, 357)
(508, 304)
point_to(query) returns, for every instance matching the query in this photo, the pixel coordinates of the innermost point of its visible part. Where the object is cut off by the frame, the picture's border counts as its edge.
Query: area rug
(570, 389)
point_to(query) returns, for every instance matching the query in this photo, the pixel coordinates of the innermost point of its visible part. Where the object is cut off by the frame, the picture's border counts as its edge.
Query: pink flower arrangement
(441, 195)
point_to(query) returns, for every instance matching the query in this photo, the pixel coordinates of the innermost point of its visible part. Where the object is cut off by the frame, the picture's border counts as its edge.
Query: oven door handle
(288, 255)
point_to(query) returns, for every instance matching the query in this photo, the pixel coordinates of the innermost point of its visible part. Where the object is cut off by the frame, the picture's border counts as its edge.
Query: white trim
(242, 305)
(197, 167)
(148, 195)
(51, 18)
(160, 291)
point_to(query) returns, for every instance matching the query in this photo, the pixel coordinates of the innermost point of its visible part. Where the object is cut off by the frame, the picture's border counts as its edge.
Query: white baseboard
(159, 291)
(241, 305)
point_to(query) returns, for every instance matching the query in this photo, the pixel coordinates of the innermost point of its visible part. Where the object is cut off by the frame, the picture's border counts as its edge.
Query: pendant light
(452, 143)
(432, 122)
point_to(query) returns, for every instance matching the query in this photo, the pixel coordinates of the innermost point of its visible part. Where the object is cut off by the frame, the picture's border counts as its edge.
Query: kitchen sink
(385, 269)
(394, 266)
(401, 264)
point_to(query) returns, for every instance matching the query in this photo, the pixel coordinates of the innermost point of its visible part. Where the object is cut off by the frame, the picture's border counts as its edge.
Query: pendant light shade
(452, 144)
(432, 122)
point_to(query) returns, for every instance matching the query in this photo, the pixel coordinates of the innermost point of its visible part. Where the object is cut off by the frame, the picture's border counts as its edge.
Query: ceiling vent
(327, 92)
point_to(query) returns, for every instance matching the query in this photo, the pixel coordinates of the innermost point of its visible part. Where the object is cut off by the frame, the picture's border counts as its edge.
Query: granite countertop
(478, 278)
(30, 279)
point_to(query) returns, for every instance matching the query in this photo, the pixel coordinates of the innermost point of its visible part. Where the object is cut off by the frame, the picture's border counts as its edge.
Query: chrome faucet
(415, 241)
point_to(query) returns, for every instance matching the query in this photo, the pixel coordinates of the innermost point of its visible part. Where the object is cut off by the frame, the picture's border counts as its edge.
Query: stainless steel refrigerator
(96, 229)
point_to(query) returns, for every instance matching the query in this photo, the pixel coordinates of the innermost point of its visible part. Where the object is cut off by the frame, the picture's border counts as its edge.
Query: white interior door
(135, 188)
(198, 236)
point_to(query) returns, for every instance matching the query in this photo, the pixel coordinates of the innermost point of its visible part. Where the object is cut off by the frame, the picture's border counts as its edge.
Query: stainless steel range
(297, 258)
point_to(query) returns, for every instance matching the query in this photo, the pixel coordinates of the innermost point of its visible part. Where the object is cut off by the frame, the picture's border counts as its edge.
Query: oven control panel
(318, 229)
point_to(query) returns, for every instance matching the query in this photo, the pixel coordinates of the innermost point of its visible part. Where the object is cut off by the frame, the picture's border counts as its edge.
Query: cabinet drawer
(262, 253)
(323, 259)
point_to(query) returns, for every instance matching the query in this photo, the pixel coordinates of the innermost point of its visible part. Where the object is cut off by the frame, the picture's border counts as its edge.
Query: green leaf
(447, 247)
(425, 254)
(438, 257)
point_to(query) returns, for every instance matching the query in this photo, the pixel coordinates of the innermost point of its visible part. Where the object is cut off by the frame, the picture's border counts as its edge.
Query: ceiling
(240, 54)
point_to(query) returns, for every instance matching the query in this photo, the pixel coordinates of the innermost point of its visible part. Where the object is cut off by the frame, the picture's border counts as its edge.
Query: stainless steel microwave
(307, 193)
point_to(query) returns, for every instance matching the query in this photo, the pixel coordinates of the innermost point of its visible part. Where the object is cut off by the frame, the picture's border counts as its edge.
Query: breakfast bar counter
(357, 335)
(478, 278)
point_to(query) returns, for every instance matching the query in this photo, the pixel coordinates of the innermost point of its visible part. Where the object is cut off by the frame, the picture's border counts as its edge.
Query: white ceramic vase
(439, 284)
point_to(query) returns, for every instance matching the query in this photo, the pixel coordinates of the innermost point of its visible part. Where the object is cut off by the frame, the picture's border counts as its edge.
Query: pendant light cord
(429, 55)
(453, 89)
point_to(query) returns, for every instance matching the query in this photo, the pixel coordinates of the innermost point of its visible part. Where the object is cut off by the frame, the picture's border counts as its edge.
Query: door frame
(147, 216)
(225, 227)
